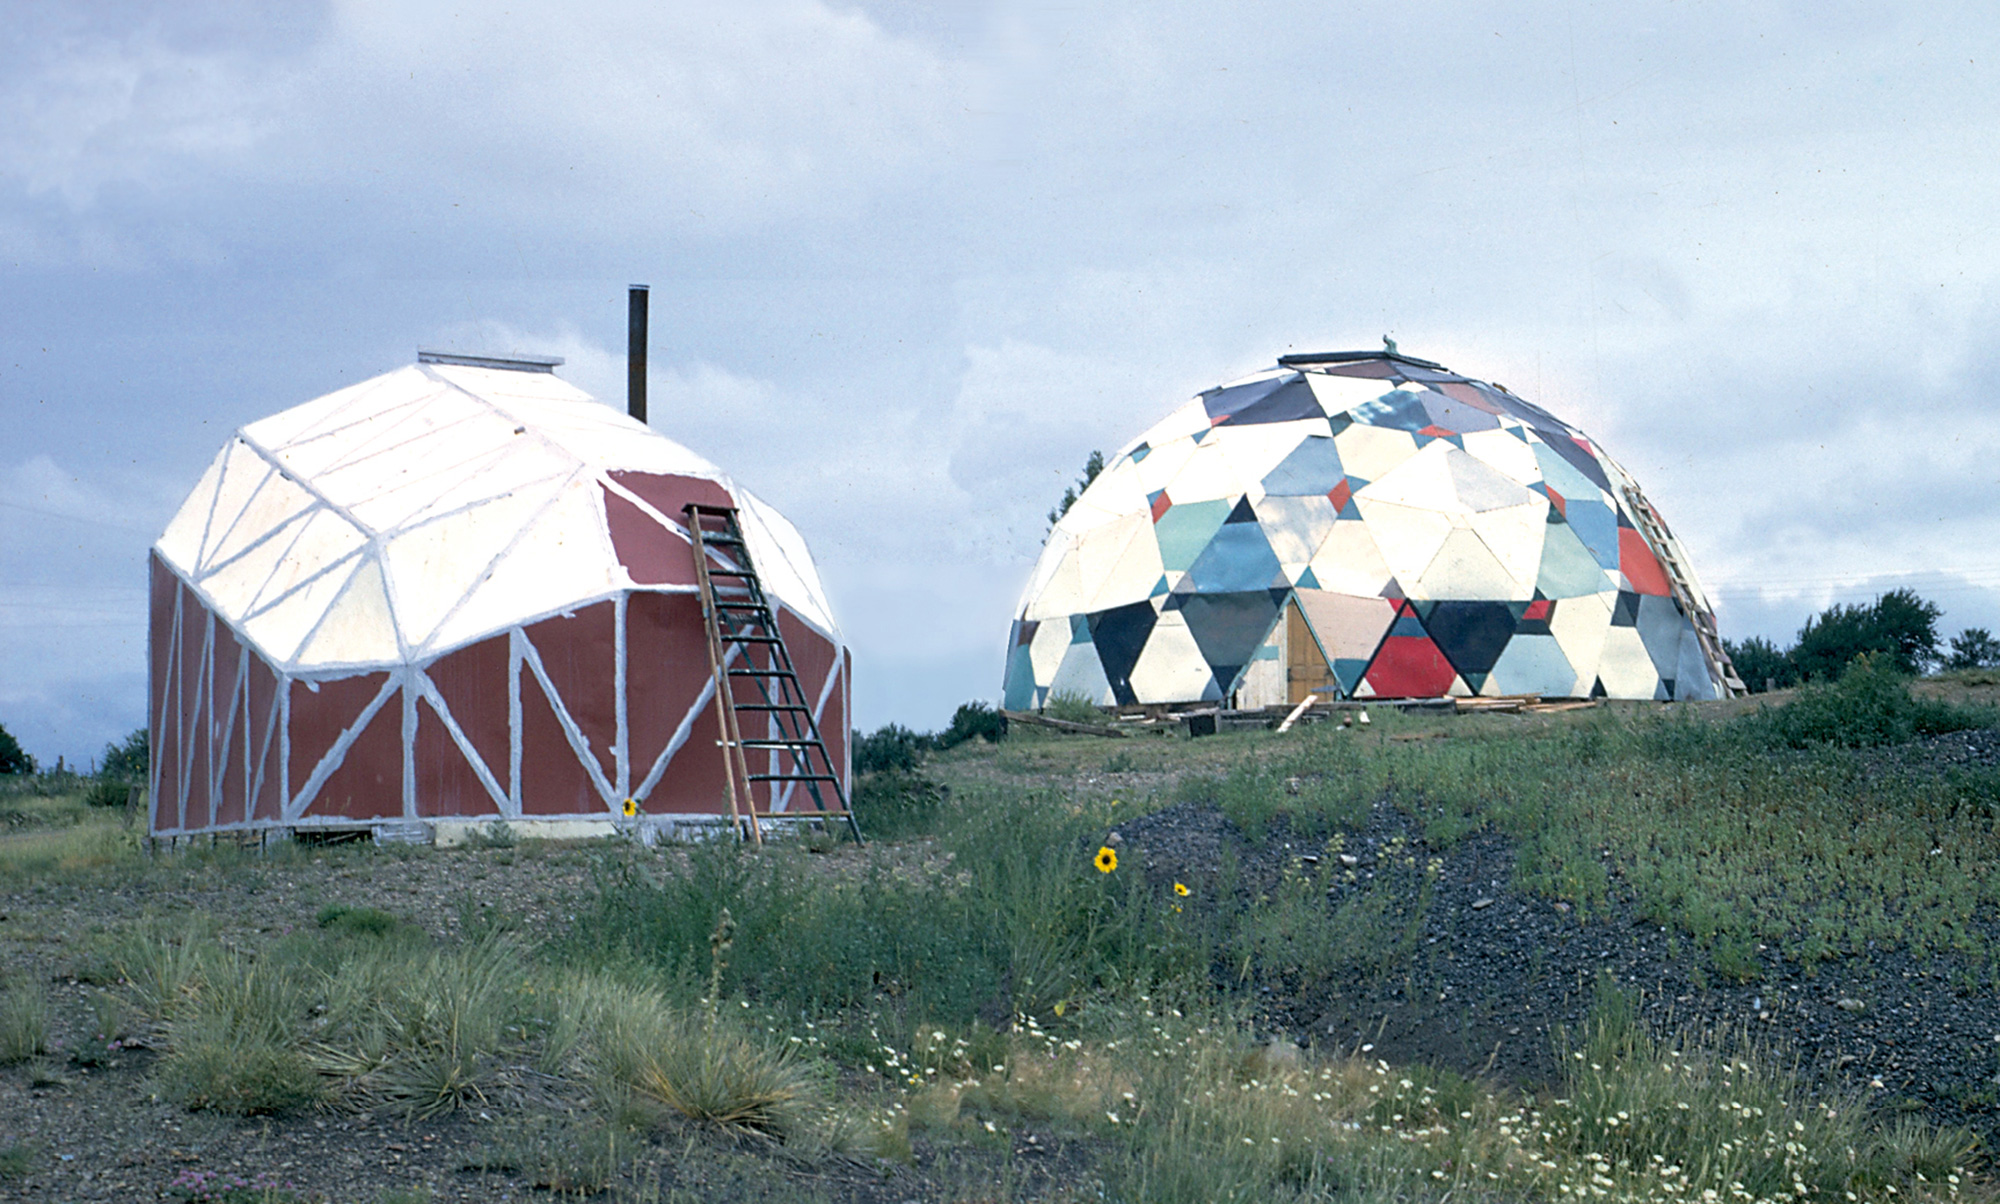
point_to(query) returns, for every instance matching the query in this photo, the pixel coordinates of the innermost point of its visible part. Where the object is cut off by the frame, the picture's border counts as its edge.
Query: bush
(13, 759)
(1869, 705)
(1974, 648)
(1075, 708)
(973, 719)
(1898, 625)
(126, 760)
(895, 803)
(891, 747)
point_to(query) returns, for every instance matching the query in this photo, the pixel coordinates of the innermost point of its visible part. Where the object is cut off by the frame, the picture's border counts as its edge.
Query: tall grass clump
(1869, 704)
(416, 1028)
(24, 1021)
(233, 1043)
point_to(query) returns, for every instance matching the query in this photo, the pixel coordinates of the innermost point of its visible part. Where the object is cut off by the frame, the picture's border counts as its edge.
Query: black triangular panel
(1120, 635)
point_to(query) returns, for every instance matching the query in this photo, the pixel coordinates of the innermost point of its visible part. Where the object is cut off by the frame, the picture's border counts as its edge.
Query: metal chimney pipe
(635, 351)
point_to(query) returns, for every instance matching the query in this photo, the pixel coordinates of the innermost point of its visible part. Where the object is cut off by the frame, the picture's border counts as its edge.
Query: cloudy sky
(912, 262)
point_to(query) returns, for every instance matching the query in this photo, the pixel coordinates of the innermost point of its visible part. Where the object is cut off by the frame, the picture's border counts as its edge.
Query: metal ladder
(1668, 549)
(745, 645)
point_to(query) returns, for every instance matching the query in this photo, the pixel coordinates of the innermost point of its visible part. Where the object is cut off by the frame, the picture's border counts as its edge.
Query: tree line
(1898, 626)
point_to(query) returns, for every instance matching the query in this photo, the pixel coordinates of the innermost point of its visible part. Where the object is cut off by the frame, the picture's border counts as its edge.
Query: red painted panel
(446, 783)
(667, 669)
(650, 554)
(163, 728)
(230, 737)
(369, 782)
(1410, 667)
(580, 654)
(694, 783)
(194, 709)
(473, 681)
(319, 716)
(268, 803)
(1637, 562)
(553, 782)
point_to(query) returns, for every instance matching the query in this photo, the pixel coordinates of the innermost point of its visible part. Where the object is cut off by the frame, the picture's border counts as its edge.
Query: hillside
(1469, 956)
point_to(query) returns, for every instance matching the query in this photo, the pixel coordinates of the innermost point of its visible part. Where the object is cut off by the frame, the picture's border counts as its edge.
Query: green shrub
(892, 804)
(1870, 704)
(341, 920)
(13, 758)
(973, 719)
(126, 760)
(1073, 708)
(891, 748)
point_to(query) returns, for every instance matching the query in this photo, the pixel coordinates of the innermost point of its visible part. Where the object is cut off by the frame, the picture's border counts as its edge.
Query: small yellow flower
(1107, 859)
(1180, 888)
(631, 807)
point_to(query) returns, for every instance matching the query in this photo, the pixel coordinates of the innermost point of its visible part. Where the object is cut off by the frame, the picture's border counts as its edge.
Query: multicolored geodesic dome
(454, 593)
(1364, 525)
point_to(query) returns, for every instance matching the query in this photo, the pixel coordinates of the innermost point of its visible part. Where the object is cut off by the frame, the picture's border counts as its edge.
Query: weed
(893, 804)
(1075, 708)
(342, 920)
(233, 1047)
(16, 1160)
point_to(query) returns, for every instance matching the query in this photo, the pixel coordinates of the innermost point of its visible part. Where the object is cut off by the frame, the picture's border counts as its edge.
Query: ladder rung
(773, 706)
(762, 673)
(730, 637)
(808, 743)
(793, 777)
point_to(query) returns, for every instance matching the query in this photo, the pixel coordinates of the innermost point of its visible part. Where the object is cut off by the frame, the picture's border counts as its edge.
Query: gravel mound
(1480, 977)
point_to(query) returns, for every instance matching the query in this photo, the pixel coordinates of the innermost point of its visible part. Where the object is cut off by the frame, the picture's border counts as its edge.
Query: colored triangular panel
(1244, 512)
(1465, 568)
(1471, 634)
(1640, 566)
(1312, 468)
(1347, 627)
(1120, 635)
(1534, 664)
(1289, 402)
(1185, 530)
(1082, 673)
(1410, 667)
(1307, 580)
(1238, 558)
(1228, 627)
(1568, 570)
(1171, 668)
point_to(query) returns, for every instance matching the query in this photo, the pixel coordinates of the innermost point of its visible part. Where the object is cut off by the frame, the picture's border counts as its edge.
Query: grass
(958, 992)
(24, 1022)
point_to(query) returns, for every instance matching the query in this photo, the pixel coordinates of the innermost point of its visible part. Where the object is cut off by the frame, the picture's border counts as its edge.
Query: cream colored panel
(498, 473)
(433, 566)
(1350, 562)
(1295, 526)
(1054, 552)
(1047, 649)
(1348, 628)
(1423, 480)
(278, 629)
(1136, 572)
(1171, 668)
(791, 575)
(180, 544)
(1624, 667)
(244, 473)
(1481, 487)
(235, 584)
(1163, 464)
(1207, 476)
(1465, 570)
(1062, 594)
(340, 407)
(1409, 537)
(562, 559)
(280, 502)
(1514, 536)
(1373, 452)
(1113, 496)
(1505, 453)
(1579, 625)
(357, 629)
(324, 538)
(499, 383)
(333, 445)
(1256, 449)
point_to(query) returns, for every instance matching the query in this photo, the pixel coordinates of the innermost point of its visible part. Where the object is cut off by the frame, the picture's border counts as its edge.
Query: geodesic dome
(1361, 524)
(454, 592)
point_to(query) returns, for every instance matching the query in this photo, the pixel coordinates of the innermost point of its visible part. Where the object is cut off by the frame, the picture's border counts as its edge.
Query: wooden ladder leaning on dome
(1668, 549)
(745, 645)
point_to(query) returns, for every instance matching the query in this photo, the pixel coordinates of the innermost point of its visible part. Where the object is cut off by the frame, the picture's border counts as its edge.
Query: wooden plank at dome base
(746, 646)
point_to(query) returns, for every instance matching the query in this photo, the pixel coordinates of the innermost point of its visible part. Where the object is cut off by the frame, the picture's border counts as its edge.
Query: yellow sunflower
(1180, 888)
(631, 807)
(1107, 860)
